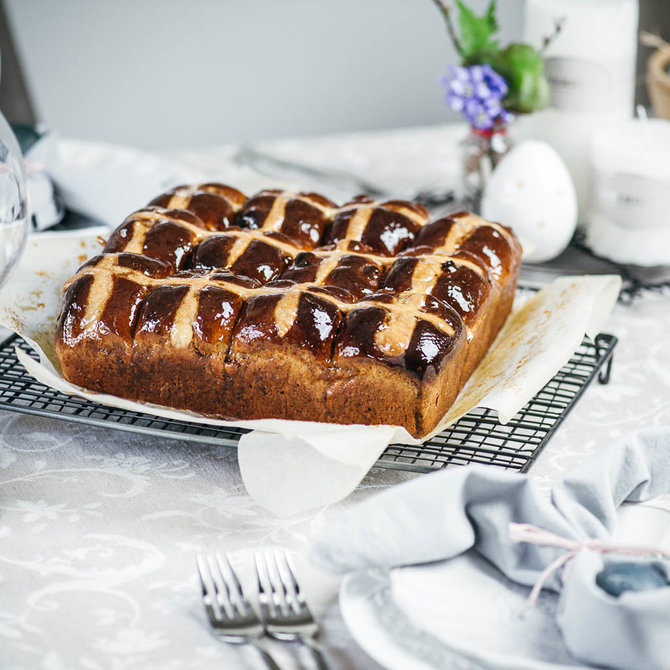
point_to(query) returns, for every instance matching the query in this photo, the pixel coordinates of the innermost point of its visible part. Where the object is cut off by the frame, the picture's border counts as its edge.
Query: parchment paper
(292, 466)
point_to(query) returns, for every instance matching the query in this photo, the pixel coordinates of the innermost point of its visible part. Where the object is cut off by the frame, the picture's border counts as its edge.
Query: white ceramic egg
(531, 191)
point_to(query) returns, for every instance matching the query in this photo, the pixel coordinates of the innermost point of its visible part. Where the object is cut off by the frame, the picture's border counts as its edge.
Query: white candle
(591, 64)
(629, 218)
(591, 70)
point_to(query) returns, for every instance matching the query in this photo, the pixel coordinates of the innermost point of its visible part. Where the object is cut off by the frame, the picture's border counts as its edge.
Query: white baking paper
(292, 466)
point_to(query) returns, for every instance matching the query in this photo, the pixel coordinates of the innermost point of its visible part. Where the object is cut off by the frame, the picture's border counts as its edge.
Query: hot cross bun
(284, 305)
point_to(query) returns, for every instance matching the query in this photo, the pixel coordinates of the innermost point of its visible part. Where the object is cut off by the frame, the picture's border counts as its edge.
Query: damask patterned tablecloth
(99, 528)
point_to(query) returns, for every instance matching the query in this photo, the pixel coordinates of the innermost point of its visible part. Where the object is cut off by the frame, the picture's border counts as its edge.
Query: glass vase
(481, 151)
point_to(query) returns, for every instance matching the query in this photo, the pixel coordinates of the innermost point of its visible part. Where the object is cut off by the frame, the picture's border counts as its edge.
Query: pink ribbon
(31, 166)
(526, 532)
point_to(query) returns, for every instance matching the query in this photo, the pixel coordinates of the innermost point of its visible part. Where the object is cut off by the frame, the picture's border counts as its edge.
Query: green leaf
(477, 31)
(490, 16)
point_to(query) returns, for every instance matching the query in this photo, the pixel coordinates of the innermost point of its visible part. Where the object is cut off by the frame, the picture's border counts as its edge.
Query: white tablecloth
(99, 528)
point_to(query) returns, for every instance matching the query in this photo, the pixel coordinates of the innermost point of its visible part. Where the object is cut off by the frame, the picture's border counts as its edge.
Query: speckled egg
(532, 192)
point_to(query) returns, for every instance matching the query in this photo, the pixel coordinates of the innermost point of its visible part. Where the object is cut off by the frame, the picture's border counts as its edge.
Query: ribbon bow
(526, 532)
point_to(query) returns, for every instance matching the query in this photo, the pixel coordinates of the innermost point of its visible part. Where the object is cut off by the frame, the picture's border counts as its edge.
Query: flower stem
(446, 11)
(546, 41)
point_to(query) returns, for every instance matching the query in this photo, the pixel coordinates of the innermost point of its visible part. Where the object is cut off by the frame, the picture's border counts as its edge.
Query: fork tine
(278, 586)
(220, 587)
(264, 591)
(208, 590)
(269, 595)
(272, 573)
(266, 596)
(232, 583)
(288, 579)
(204, 577)
(226, 567)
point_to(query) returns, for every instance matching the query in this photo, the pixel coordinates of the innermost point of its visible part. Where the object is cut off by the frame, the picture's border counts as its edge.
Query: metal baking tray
(476, 438)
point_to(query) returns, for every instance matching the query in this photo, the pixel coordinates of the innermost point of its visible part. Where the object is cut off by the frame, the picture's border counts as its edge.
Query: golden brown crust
(285, 306)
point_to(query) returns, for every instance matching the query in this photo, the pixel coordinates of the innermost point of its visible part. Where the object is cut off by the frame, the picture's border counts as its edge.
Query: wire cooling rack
(476, 438)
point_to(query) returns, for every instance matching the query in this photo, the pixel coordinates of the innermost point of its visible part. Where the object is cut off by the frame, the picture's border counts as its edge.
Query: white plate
(460, 614)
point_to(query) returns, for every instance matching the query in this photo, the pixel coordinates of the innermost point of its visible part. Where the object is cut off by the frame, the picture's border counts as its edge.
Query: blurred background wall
(165, 74)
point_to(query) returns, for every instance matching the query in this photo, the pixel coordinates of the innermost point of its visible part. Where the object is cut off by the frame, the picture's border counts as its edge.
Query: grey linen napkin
(444, 514)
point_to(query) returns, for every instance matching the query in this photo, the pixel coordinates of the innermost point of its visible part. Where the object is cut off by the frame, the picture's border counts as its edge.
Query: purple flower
(477, 92)
(496, 82)
(478, 114)
(507, 117)
(456, 102)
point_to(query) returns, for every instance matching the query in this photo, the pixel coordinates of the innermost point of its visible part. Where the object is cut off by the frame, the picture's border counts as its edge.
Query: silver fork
(283, 608)
(228, 609)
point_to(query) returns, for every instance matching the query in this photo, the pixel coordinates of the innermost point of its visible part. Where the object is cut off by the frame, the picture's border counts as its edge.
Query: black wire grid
(476, 438)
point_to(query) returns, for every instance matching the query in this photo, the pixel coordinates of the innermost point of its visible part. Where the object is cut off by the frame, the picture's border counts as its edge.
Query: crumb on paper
(36, 301)
(32, 307)
(11, 320)
(101, 240)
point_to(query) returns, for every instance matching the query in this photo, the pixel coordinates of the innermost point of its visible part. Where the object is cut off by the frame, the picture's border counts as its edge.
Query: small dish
(461, 614)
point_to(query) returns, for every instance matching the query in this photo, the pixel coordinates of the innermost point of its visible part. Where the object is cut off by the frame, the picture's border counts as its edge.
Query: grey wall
(14, 97)
(170, 74)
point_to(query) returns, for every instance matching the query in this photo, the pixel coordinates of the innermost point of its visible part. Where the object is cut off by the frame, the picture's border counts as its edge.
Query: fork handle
(317, 654)
(265, 655)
